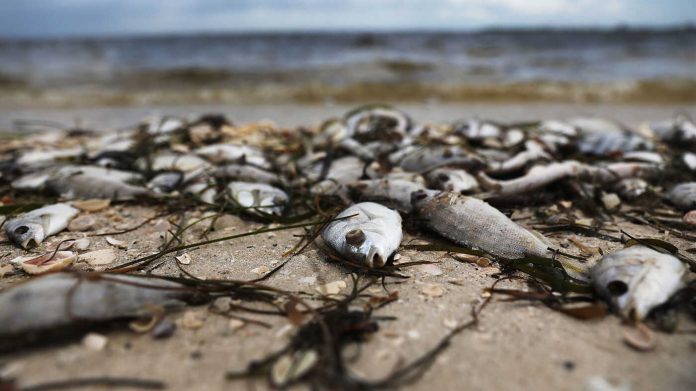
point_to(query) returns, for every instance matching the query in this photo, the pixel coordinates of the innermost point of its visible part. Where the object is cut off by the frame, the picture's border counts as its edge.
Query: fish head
(366, 246)
(421, 198)
(26, 233)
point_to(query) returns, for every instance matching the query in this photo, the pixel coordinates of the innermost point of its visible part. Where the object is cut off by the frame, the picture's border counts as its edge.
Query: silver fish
(637, 279)
(81, 186)
(474, 223)
(63, 299)
(423, 159)
(175, 162)
(534, 152)
(233, 153)
(166, 182)
(683, 196)
(369, 237)
(540, 176)
(379, 121)
(260, 196)
(245, 172)
(31, 228)
(452, 179)
(631, 188)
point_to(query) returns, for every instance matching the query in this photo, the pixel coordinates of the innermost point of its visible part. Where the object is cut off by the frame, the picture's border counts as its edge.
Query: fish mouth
(375, 258)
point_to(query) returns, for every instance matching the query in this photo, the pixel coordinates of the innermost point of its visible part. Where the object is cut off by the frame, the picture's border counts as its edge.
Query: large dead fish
(63, 299)
(31, 228)
(474, 223)
(369, 237)
(637, 279)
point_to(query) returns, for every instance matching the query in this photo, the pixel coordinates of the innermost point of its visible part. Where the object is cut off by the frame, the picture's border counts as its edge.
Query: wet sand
(517, 345)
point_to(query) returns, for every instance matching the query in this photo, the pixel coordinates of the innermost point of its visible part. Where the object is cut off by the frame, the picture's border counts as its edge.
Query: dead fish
(683, 196)
(534, 152)
(31, 228)
(175, 162)
(474, 223)
(258, 196)
(233, 153)
(368, 238)
(166, 182)
(206, 192)
(689, 160)
(607, 143)
(81, 186)
(679, 130)
(245, 172)
(40, 158)
(395, 193)
(476, 129)
(377, 122)
(631, 188)
(423, 159)
(452, 179)
(637, 279)
(64, 299)
(541, 176)
(558, 127)
(98, 171)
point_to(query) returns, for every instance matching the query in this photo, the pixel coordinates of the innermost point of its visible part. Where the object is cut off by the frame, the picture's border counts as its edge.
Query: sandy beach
(516, 344)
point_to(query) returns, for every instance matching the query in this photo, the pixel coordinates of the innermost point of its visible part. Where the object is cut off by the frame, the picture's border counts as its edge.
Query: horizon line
(618, 27)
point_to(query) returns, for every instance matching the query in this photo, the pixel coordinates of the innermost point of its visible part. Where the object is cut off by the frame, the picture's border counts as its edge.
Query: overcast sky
(116, 17)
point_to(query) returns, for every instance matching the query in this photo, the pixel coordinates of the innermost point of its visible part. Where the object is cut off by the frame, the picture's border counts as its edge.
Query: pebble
(117, 243)
(332, 288)
(163, 329)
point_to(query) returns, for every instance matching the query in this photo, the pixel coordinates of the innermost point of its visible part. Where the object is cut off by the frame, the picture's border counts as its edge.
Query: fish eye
(617, 288)
(355, 237)
(443, 177)
(21, 230)
(419, 195)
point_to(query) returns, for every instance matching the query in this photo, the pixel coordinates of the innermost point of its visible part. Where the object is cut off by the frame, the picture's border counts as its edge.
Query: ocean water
(568, 64)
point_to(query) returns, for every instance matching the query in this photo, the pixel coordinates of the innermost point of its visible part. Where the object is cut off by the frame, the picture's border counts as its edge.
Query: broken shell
(5, 269)
(293, 366)
(184, 259)
(92, 205)
(115, 242)
(191, 320)
(49, 262)
(235, 324)
(611, 201)
(99, 257)
(643, 341)
(82, 223)
(261, 270)
(432, 290)
(95, 342)
(82, 244)
(690, 217)
(332, 288)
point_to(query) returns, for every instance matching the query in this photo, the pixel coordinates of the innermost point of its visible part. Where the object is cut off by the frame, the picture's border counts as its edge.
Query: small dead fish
(81, 186)
(679, 130)
(474, 223)
(423, 159)
(377, 122)
(369, 237)
(475, 129)
(176, 162)
(118, 175)
(166, 182)
(540, 176)
(64, 299)
(233, 153)
(394, 193)
(631, 188)
(206, 192)
(39, 158)
(259, 196)
(607, 143)
(31, 228)
(637, 279)
(534, 152)
(244, 172)
(452, 179)
(683, 196)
